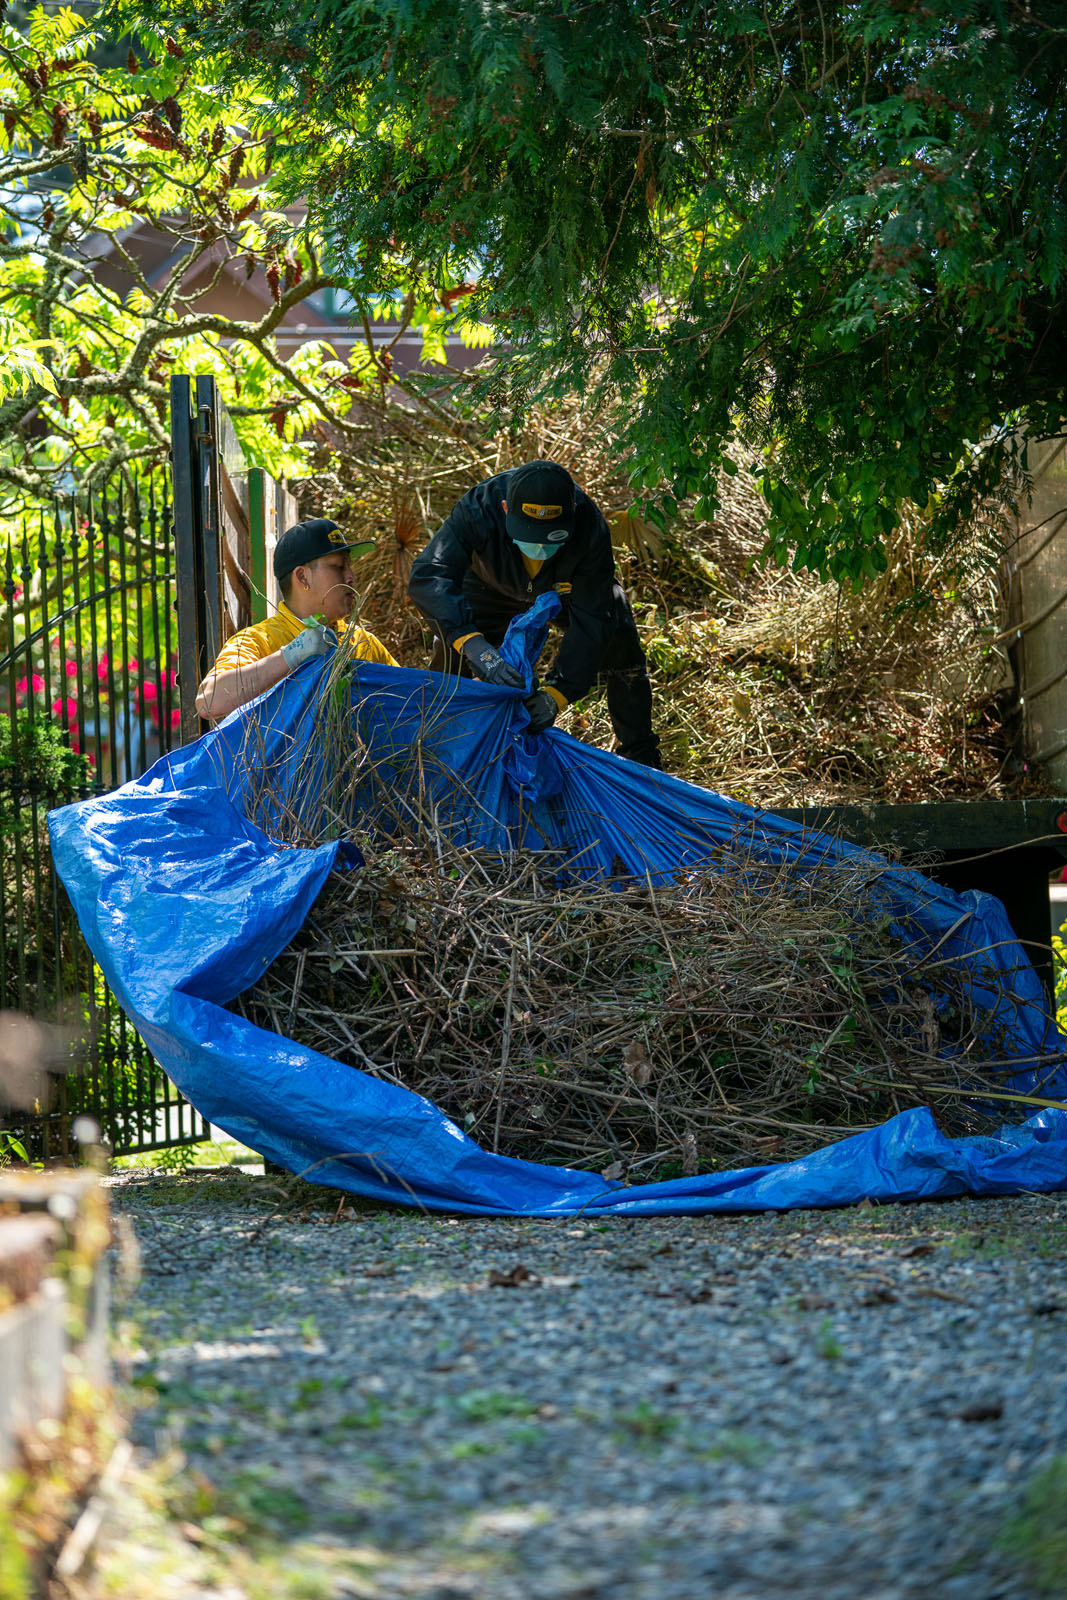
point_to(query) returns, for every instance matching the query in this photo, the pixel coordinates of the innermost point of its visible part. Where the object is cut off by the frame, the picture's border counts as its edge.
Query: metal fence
(88, 700)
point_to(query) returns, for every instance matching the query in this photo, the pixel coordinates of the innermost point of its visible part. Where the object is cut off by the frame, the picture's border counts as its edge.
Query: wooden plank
(225, 527)
(272, 509)
(235, 534)
(286, 512)
(235, 542)
(946, 825)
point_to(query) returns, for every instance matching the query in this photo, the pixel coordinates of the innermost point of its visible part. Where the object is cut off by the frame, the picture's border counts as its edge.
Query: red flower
(70, 668)
(101, 667)
(175, 719)
(149, 692)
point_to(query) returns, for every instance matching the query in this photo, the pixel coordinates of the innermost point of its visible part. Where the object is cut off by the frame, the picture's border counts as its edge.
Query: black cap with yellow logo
(307, 541)
(540, 504)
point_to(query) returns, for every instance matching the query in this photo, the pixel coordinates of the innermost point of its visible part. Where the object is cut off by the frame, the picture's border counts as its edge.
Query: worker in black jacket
(509, 540)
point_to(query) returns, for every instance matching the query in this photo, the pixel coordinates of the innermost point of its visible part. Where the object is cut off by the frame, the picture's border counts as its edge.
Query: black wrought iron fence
(88, 700)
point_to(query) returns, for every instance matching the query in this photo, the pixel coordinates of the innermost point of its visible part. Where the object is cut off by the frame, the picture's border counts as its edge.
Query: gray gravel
(841, 1405)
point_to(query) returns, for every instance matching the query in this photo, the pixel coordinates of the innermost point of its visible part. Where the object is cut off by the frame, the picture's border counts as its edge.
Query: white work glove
(314, 639)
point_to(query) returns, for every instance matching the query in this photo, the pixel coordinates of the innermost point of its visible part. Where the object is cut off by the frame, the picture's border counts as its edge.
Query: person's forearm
(222, 692)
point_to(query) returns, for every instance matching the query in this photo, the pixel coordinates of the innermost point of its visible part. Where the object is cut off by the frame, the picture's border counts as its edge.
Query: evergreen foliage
(828, 235)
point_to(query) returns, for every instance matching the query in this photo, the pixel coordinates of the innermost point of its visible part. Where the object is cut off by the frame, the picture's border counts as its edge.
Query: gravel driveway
(844, 1405)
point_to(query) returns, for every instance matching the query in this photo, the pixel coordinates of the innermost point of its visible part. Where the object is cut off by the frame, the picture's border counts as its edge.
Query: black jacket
(472, 572)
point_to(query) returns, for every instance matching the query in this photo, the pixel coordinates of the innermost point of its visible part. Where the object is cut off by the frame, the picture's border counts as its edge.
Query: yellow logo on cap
(335, 536)
(541, 512)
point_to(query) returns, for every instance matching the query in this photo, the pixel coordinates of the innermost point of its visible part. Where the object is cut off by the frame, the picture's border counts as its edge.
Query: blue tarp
(185, 901)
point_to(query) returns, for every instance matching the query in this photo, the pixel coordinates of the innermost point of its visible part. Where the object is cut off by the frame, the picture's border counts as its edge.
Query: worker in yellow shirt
(313, 566)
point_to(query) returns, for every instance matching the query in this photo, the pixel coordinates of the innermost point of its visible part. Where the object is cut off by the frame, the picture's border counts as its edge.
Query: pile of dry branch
(745, 1013)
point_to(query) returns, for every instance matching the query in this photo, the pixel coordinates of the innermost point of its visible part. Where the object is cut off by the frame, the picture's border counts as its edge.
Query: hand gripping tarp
(185, 900)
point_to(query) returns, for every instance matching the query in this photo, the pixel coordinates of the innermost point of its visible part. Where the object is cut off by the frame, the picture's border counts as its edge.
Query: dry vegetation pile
(745, 1013)
(769, 685)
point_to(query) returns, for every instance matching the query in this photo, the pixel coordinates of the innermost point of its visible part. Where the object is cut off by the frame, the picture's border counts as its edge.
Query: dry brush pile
(746, 1011)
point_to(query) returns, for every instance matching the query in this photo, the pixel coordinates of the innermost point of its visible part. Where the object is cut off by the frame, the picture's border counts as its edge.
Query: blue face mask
(542, 552)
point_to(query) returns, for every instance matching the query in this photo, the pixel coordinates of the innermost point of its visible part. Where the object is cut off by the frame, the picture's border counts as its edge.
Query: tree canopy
(830, 237)
(126, 192)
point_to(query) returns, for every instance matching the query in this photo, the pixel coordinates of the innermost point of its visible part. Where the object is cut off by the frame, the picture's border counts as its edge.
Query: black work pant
(623, 669)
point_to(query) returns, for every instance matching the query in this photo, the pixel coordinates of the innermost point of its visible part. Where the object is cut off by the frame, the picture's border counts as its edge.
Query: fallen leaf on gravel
(190, 1531)
(780, 1357)
(982, 1411)
(615, 1170)
(878, 1296)
(514, 1279)
(922, 1248)
(631, 1262)
(814, 1302)
(380, 1269)
(1048, 1308)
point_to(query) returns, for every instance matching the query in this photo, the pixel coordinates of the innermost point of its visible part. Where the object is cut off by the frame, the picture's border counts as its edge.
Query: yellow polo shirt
(263, 638)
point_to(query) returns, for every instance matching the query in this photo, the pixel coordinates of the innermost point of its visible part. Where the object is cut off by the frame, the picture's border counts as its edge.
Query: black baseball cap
(540, 503)
(307, 541)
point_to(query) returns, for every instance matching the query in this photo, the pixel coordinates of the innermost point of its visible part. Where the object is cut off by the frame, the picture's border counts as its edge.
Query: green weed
(14, 1565)
(734, 1444)
(369, 1417)
(1037, 1534)
(262, 1507)
(827, 1343)
(464, 1449)
(490, 1405)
